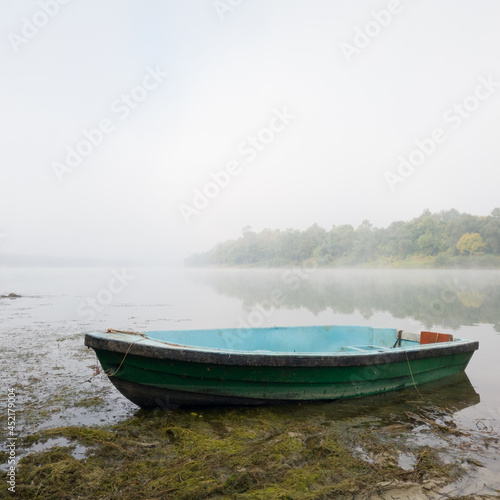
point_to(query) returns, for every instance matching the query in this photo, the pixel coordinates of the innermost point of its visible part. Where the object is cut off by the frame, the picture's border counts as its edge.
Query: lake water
(44, 360)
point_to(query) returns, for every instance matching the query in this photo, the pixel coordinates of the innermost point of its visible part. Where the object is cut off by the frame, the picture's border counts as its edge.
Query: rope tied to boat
(411, 373)
(112, 330)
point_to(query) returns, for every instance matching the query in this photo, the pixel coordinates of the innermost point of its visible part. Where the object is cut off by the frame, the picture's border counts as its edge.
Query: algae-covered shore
(358, 449)
(250, 454)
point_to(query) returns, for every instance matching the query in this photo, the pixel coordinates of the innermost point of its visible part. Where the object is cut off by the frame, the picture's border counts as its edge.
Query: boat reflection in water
(448, 396)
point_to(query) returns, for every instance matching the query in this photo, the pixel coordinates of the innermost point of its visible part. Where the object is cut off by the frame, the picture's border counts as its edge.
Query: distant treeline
(447, 238)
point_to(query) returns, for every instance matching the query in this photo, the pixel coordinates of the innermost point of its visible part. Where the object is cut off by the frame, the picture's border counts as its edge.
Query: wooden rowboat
(273, 365)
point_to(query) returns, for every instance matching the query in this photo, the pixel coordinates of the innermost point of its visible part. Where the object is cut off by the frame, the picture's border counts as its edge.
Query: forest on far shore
(444, 239)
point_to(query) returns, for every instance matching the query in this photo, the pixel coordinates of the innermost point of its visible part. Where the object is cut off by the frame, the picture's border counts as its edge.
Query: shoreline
(291, 452)
(396, 265)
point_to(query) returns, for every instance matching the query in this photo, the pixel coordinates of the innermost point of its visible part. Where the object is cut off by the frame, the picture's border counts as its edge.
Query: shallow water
(41, 341)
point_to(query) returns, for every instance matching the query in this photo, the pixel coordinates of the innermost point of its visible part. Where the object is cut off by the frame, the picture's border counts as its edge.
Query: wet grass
(256, 453)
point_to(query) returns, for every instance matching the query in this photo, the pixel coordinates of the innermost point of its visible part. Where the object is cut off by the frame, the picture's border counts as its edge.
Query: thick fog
(147, 131)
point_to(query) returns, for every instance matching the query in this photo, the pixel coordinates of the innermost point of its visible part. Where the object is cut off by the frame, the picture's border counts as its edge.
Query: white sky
(226, 77)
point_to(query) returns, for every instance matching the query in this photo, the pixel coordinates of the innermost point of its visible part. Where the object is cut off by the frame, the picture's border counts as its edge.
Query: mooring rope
(126, 354)
(171, 344)
(413, 380)
(111, 330)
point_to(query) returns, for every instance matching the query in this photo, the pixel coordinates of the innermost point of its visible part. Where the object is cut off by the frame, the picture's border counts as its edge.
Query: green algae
(268, 453)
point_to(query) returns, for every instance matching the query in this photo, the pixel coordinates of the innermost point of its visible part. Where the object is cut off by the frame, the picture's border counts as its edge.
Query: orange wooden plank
(434, 337)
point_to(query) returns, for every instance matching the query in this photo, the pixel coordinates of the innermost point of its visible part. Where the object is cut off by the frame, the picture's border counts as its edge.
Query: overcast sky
(118, 117)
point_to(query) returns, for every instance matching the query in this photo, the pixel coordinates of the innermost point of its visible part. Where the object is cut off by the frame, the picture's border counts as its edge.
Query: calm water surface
(41, 336)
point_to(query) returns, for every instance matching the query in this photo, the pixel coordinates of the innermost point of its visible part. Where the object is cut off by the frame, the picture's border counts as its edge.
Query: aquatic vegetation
(219, 453)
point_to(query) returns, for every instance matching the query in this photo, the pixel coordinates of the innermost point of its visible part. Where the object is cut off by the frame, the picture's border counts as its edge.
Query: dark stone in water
(10, 296)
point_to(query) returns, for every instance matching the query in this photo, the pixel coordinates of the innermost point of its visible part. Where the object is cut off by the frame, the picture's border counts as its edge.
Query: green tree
(471, 243)
(340, 241)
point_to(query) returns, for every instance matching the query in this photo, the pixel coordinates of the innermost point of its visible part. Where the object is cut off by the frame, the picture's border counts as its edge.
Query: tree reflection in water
(445, 298)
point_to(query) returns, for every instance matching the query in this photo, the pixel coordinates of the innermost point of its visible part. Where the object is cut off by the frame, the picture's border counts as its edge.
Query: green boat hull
(152, 382)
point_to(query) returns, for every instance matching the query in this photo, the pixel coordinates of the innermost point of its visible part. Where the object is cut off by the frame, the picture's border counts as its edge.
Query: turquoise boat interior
(305, 339)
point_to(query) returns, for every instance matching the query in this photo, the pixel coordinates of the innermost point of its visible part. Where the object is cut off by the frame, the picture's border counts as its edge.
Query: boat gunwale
(195, 354)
